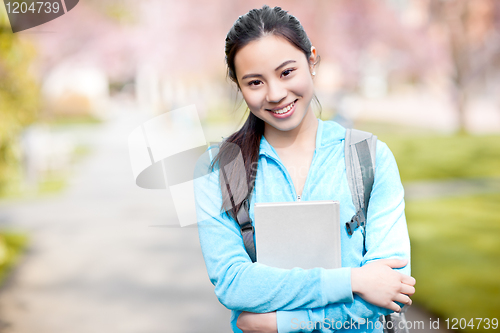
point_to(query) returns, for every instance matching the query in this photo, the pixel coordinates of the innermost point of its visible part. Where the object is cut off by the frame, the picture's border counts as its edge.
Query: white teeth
(285, 109)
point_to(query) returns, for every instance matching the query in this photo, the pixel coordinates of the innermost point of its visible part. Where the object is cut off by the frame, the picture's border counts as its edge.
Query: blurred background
(83, 249)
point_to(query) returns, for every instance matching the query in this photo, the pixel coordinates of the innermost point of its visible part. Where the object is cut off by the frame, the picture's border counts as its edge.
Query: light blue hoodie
(320, 299)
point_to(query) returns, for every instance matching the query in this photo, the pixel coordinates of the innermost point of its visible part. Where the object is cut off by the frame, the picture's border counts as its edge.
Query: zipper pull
(298, 197)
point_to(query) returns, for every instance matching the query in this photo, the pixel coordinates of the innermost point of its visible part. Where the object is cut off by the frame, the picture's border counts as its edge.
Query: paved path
(96, 263)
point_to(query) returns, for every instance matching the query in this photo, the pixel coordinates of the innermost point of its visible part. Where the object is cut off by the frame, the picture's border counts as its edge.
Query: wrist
(355, 283)
(272, 322)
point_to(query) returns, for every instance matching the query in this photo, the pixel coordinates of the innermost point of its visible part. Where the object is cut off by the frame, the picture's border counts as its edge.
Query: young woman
(289, 155)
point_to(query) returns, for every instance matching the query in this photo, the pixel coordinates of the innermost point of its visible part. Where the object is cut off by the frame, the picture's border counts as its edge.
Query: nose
(276, 92)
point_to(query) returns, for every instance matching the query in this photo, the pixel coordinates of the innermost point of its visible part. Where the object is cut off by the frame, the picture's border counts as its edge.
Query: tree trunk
(461, 108)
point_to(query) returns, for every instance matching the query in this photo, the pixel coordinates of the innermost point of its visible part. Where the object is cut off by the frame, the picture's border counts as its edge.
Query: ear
(313, 58)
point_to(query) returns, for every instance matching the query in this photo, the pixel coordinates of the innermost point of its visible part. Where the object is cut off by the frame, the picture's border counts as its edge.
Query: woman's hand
(380, 285)
(250, 322)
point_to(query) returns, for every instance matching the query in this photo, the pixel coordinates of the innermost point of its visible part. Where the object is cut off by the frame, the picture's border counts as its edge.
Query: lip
(286, 114)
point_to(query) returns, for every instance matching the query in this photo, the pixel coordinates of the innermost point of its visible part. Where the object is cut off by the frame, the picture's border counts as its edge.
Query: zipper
(308, 174)
(287, 175)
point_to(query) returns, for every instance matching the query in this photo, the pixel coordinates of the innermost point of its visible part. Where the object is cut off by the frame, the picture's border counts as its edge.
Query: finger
(406, 289)
(403, 299)
(409, 280)
(394, 307)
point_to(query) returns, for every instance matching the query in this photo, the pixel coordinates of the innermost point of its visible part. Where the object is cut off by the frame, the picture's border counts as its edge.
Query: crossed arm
(374, 285)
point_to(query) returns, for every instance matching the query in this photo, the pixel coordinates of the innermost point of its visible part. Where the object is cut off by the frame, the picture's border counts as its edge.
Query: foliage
(19, 97)
(11, 246)
(456, 255)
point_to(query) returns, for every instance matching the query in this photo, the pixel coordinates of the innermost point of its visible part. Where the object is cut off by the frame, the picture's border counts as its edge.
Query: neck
(304, 135)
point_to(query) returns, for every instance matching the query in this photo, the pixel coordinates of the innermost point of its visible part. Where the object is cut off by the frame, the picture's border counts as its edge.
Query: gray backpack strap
(360, 168)
(247, 230)
(244, 221)
(242, 217)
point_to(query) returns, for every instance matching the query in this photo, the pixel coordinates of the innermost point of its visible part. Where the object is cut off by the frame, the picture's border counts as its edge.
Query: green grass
(426, 155)
(51, 185)
(48, 184)
(80, 152)
(456, 255)
(440, 157)
(11, 247)
(70, 120)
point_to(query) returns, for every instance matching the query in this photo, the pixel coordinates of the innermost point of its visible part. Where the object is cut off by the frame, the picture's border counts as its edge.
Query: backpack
(359, 152)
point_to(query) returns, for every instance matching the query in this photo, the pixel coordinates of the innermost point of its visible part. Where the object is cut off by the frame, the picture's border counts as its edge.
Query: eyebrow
(284, 64)
(277, 69)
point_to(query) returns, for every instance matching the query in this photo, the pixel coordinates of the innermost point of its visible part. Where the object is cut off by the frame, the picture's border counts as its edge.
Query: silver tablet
(303, 234)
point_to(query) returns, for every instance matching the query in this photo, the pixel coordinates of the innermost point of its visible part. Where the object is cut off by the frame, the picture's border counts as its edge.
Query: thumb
(394, 263)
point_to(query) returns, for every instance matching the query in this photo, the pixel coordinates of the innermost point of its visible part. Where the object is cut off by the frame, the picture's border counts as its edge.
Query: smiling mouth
(285, 109)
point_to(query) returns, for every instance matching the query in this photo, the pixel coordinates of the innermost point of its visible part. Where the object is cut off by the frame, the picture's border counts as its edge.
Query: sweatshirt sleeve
(333, 317)
(386, 237)
(246, 286)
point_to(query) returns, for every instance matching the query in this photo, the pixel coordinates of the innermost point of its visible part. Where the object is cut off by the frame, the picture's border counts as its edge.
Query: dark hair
(255, 24)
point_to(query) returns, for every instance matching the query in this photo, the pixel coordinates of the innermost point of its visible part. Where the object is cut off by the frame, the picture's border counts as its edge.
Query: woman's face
(275, 80)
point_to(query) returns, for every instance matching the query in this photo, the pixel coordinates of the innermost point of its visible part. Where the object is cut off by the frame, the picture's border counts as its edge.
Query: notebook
(303, 234)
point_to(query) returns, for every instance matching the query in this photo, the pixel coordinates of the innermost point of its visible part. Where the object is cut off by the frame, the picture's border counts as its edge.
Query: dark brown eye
(287, 72)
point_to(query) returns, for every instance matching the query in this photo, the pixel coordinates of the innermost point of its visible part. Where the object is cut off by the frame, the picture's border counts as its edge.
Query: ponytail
(247, 141)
